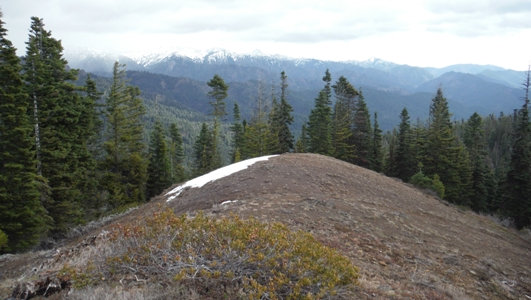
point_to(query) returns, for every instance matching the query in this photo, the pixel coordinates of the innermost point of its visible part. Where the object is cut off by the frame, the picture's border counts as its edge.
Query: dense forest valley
(76, 146)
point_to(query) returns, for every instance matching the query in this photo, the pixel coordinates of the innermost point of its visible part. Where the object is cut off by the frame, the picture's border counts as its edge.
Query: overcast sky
(433, 33)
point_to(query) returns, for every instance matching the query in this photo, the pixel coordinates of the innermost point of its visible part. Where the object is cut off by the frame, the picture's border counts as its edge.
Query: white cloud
(433, 32)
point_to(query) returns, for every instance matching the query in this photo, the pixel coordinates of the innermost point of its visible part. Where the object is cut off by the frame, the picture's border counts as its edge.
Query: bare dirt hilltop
(406, 243)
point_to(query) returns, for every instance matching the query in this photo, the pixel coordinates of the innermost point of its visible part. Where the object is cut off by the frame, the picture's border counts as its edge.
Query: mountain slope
(407, 244)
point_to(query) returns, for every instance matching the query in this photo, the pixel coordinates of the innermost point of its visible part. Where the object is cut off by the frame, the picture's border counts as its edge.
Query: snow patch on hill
(215, 175)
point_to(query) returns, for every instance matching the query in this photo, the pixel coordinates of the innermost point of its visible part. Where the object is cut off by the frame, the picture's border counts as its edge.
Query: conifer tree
(342, 120)
(125, 162)
(281, 118)
(23, 219)
(320, 121)
(376, 146)
(517, 188)
(301, 146)
(218, 93)
(237, 134)
(202, 151)
(159, 175)
(259, 137)
(474, 141)
(58, 112)
(444, 156)
(405, 164)
(176, 154)
(362, 133)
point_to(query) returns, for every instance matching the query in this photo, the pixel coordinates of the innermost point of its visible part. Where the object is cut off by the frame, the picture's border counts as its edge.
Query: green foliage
(58, 112)
(422, 181)
(362, 133)
(320, 121)
(22, 216)
(238, 138)
(376, 146)
(281, 118)
(176, 154)
(159, 174)
(229, 257)
(517, 186)
(203, 151)
(125, 162)
(342, 137)
(404, 160)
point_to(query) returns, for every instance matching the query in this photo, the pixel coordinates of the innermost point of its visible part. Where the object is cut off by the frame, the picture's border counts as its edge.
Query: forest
(71, 153)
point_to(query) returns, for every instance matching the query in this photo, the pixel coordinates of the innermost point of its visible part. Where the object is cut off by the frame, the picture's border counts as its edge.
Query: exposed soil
(407, 244)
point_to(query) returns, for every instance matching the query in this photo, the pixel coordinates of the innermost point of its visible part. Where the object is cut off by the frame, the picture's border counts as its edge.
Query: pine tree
(444, 156)
(320, 121)
(517, 192)
(159, 175)
(362, 133)
(202, 151)
(301, 146)
(238, 140)
(176, 154)
(23, 219)
(281, 118)
(405, 164)
(125, 162)
(259, 137)
(474, 141)
(376, 146)
(342, 120)
(58, 111)
(218, 93)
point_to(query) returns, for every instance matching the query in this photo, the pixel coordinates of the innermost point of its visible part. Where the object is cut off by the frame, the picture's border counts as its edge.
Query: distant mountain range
(179, 81)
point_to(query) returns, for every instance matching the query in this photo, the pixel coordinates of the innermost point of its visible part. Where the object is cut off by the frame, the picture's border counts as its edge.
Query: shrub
(423, 181)
(229, 257)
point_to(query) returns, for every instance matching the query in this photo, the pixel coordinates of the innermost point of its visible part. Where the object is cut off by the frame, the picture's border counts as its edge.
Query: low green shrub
(3, 240)
(423, 181)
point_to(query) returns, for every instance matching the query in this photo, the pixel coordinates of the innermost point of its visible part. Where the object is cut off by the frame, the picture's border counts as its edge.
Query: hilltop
(406, 243)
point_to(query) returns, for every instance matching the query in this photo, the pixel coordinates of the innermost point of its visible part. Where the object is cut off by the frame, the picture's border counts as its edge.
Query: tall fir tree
(125, 162)
(238, 140)
(517, 187)
(59, 113)
(474, 141)
(22, 216)
(443, 155)
(376, 146)
(281, 118)
(203, 151)
(404, 160)
(218, 93)
(342, 120)
(320, 121)
(159, 175)
(176, 154)
(362, 133)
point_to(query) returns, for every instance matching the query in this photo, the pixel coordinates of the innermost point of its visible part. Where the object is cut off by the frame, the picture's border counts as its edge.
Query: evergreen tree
(259, 137)
(362, 133)
(376, 146)
(320, 121)
(301, 145)
(159, 175)
(176, 154)
(218, 93)
(517, 192)
(281, 118)
(342, 120)
(125, 162)
(237, 134)
(444, 156)
(405, 164)
(23, 219)
(202, 151)
(58, 112)
(474, 141)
